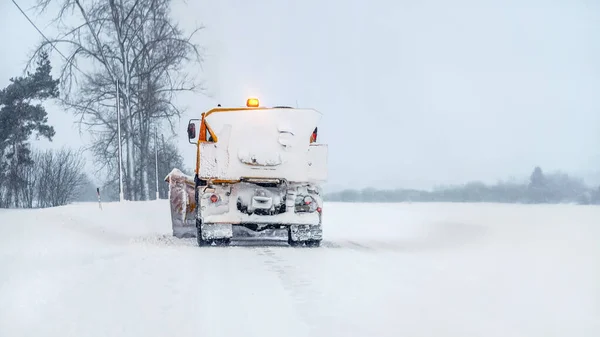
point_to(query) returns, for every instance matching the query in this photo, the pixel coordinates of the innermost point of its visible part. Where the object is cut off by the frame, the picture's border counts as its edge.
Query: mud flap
(306, 232)
(216, 231)
(183, 204)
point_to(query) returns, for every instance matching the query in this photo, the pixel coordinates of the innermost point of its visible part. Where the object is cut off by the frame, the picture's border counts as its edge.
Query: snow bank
(383, 270)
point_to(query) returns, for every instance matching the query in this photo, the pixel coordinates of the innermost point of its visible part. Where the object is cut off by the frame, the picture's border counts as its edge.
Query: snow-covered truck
(258, 174)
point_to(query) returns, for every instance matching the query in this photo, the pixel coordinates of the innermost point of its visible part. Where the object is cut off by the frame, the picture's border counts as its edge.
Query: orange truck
(258, 175)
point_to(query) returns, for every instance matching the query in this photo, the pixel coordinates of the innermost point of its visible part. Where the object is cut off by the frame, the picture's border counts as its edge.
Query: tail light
(214, 198)
(305, 204)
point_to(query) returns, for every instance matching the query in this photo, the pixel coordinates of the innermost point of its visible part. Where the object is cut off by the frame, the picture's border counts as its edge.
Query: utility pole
(162, 136)
(121, 195)
(156, 158)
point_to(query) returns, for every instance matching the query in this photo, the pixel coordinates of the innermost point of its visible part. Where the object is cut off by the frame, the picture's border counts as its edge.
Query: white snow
(251, 144)
(383, 270)
(258, 157)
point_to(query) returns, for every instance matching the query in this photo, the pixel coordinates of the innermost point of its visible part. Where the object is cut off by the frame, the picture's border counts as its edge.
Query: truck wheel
(313, 243)
(222, 242)
(295, 243)
(291, 242)
(201, 242)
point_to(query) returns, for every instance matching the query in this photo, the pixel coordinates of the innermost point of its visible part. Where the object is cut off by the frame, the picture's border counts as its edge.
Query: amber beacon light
(252, 102)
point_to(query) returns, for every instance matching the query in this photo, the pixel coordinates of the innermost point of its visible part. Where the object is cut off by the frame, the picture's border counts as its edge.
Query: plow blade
(183, 204)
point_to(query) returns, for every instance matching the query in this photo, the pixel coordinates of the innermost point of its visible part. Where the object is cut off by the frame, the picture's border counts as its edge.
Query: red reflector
(214, 198)
(319, 209)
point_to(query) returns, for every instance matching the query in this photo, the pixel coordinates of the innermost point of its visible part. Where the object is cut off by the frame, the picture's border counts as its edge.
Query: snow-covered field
(383, 270)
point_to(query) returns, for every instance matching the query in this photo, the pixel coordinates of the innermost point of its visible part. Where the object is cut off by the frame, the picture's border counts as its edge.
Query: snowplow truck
(258, 175)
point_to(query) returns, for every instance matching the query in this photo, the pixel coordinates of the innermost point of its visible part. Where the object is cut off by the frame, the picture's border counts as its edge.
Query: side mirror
(191, 131)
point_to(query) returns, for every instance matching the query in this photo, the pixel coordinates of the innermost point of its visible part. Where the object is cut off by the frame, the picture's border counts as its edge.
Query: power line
(47, 40)
(121, 198)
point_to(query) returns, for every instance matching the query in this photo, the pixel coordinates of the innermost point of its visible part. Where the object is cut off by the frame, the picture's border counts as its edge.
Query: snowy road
(419, 270)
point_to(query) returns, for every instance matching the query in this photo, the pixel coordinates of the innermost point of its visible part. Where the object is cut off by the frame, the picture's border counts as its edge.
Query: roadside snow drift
(383, 270)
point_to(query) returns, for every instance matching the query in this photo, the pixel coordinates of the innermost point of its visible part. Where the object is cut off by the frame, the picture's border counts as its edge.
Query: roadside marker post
(99, 201)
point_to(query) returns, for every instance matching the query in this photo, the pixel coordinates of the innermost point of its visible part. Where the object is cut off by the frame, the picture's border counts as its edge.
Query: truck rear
(258, 175)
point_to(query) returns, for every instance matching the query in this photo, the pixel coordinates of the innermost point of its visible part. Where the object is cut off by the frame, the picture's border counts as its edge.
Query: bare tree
(29, 174)
(168, 158)
(51, 178)
(44, 163)
(133, 45)
(60, 177)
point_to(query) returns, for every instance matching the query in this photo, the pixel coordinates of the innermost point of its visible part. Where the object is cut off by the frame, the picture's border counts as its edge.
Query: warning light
(252, 103)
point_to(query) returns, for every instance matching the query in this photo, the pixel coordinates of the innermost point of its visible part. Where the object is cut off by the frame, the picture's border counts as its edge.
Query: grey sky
(414, 94)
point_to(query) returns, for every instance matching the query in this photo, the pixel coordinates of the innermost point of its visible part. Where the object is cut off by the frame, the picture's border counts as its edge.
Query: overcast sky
(415, 94)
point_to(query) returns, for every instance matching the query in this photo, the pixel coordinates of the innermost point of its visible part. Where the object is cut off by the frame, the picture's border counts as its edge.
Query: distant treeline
(541, 188)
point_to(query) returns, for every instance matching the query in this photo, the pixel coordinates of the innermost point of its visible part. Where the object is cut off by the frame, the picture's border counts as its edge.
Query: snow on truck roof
(249, 110)
(237, 114)
(252, 104)
(256, 119)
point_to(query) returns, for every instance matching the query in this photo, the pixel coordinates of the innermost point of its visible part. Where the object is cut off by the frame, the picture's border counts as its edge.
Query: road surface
(383, 270)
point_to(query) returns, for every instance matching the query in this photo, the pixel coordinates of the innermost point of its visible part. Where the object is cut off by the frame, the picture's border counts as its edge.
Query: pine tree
(22, 115)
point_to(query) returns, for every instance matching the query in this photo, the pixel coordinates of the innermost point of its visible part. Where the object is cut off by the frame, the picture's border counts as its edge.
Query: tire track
(307, 275)
(296, 283)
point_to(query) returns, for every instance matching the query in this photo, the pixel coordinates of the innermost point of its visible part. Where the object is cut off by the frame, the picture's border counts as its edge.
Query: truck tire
(295, 243)
(291, 242)
(313, 243)
(222, 242)
(201, 242)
